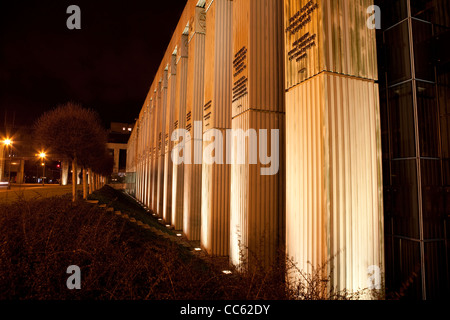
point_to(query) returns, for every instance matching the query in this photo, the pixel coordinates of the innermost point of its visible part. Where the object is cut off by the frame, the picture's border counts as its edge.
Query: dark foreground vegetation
(40, 239)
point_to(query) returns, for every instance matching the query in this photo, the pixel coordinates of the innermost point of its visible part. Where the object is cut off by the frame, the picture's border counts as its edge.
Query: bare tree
(75, 132)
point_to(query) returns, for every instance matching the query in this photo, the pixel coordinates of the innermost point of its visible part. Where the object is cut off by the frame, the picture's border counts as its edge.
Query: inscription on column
(166, 143)
(188, 121)
(239, 66)
(207, 115)
(301, 18)
(300, 39)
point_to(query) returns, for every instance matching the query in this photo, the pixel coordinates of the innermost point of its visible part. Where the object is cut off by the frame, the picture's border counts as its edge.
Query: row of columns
(305, 71)
(92, 182)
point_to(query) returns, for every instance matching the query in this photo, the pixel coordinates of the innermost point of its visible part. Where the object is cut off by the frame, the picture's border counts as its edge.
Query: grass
(118, 260)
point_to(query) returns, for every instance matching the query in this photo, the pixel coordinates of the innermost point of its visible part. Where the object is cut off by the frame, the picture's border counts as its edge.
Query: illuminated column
(215, 237)
(334, 187)
(140, 152)
(179, 122)
(139, 174)
(156, 125)
(160, 155)
(64, 172)
(148, 147)
(257, 182)
(141, 156)
(168, 165)
(150, 132)
(146, 154)
(194, 113)
(138, 185)
(144, 157)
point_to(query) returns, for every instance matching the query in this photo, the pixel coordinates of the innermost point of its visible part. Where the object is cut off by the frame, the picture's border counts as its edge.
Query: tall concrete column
(168, 164)
(257, 220)
(161, 138)
(142, 159)
(138, 178)
(64, 172)
(216, 183)
(145, 158)
(194, 113)
(179, 122)
(148, 160)
(156, 126)
(139, 161)
(334, 180)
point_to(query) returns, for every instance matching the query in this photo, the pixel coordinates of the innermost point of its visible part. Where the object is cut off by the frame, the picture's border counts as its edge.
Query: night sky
(108, 65)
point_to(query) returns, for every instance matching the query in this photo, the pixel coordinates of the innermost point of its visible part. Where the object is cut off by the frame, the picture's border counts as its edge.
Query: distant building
(119, 127)
(118, 136)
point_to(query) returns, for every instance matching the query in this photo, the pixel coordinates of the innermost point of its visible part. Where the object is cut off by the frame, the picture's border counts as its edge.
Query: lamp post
(42, 156)
(8, 144)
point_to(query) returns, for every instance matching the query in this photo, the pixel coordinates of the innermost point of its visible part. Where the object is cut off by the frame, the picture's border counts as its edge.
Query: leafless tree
(75, 132)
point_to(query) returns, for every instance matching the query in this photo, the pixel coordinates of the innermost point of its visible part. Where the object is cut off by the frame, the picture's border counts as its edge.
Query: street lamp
(8, 143)
(42, 156)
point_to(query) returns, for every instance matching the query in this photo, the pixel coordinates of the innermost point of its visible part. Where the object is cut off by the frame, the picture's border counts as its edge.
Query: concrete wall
(301, 71)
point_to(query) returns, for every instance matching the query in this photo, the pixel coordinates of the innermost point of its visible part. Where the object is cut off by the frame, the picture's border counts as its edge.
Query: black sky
(108, 65)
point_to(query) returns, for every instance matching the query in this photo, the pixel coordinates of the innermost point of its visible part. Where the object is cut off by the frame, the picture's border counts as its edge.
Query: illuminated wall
(304, 71)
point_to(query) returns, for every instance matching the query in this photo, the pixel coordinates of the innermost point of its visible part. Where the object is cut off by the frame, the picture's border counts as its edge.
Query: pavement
(32, 191)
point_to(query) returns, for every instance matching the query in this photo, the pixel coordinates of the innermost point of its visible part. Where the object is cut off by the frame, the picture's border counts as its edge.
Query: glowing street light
(8, 143)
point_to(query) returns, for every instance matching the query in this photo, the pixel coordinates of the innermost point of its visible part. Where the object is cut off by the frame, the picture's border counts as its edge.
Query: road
(32, 191)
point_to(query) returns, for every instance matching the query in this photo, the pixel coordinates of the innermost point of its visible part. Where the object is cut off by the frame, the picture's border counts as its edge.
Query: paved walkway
(32, 191)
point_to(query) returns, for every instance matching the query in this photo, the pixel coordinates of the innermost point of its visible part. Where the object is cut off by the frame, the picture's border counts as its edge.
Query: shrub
(41, 238)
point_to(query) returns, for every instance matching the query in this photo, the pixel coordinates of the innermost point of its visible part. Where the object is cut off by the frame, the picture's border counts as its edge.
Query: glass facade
(414, 79)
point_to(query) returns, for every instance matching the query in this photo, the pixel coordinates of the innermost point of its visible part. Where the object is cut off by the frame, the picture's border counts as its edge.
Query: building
(354, 120)
(118, 136)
